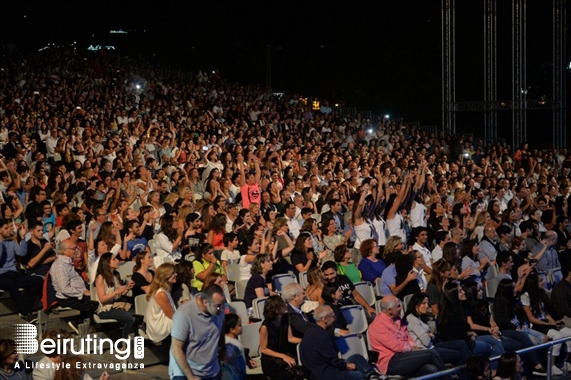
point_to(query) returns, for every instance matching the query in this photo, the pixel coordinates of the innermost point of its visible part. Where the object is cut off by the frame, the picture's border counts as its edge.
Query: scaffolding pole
(559, 75)
(519, 77)
(448, 66)
(490, 68)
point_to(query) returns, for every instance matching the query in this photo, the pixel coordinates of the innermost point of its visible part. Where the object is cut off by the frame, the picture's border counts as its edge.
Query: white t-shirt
(231, 256)
(245, 268)
(525, 301)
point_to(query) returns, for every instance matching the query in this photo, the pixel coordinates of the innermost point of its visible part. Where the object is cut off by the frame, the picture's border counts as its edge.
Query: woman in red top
(216, 233)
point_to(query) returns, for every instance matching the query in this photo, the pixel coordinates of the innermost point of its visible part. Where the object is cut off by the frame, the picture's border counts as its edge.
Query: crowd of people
(193, 178)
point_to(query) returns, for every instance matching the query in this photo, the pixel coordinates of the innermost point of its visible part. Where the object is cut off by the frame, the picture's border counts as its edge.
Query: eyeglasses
(218, 307)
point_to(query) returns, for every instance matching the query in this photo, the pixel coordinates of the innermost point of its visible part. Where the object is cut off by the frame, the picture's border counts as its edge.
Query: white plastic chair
(226, 292)
(352, 344)
(356, 318)
(258, 306)
(96, 317)
(153, 246)
(281, 280)
(405, 301)
(367, 291)
(239, 308)
(250, 338)
(141, 309)
(491, 287)
(241, 289)
(378, 306)
(158, 260)
(303, 279)
(378, 287)
(233, 272)
(126, 270)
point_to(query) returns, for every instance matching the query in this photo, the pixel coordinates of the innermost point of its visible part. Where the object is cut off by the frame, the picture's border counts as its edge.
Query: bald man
(489, 245)
(546, 253)
(398, 354)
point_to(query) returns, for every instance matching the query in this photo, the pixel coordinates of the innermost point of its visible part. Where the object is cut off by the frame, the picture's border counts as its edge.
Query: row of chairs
(351, 344)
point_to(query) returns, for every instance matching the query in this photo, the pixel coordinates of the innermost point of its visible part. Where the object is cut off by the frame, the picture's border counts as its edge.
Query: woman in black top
(482, 323)
(142, 274)
(452, 324)
(257, 286)
(275, 339)
(403, 266)
(303, 257)
(331, 294)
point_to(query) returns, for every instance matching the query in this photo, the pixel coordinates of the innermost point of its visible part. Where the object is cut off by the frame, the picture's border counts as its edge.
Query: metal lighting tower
(519, 104)
(519, 77)
(559, 75)
(490, 70)
(448, 66)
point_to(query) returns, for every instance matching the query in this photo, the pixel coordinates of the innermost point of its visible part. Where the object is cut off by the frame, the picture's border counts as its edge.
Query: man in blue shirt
(13, 280)
(196, 336)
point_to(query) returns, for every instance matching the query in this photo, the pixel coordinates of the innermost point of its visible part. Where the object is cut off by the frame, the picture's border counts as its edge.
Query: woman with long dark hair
(509, 315)
(435, 288)
(395, 222)
(303, 257)
(510, 367)
(455, 352)
(110, 291)
(494, 212)
(216, 233)
(470, 260)
(452, 323)
(168, 240)
(362, 225)
(257, 286)
(142, 273)
(482, 323)
(331, 295)
(534, 301)
(275, 339)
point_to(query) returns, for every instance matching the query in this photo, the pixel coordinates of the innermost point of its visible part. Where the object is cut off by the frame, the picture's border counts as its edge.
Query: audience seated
(319, 354)
(186, 160)
(278, 362)
(396, 348)
(161, 307)
(257, 286)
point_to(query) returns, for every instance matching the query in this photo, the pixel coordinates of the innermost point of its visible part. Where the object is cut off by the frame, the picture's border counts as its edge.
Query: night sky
(383, 55)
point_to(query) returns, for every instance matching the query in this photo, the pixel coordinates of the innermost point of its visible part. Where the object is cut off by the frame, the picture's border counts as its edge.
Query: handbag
(295, 372)
(122, 305)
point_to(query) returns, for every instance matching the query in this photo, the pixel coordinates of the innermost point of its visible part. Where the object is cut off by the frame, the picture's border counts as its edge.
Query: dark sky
(379, 55)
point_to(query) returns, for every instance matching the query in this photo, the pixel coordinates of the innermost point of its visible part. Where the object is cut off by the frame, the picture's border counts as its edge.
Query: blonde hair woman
(180, 218)
(186, 195)
(161, 306)
(482, 219)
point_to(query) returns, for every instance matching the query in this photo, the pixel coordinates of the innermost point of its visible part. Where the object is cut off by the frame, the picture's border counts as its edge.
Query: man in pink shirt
(398, 354)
